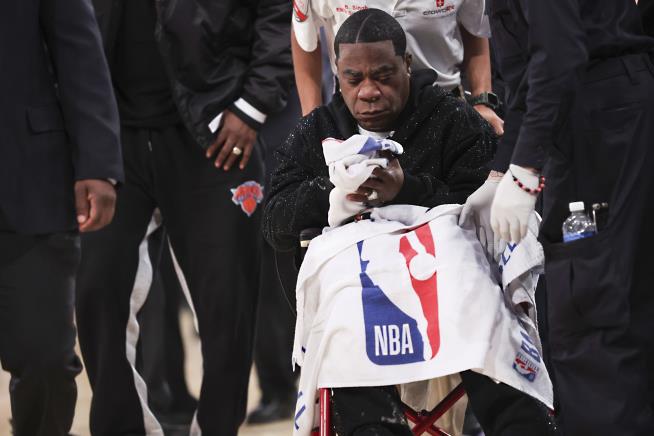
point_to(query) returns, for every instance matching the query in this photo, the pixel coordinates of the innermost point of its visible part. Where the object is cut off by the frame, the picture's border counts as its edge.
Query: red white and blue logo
(394, 337)
(247, 195)
(527, 359)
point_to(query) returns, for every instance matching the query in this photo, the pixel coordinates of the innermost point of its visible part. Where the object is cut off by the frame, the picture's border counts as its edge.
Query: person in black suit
(60, 157)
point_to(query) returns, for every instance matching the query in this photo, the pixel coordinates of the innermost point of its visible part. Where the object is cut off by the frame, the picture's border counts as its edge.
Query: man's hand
(489, 115)
(477, 210)
(512, 206)
(233, 134)
(95, 201)
(382, 187)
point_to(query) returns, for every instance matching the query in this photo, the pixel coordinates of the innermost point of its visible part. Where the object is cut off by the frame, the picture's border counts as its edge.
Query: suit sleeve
(468, 144)
(84, 86)
(506, 144)
(557, 48)
(299, 198)
(269, 76)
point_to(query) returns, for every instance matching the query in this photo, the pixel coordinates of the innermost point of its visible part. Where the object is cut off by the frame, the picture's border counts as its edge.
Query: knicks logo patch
(394, 336)
(301, 10)
(248, 195)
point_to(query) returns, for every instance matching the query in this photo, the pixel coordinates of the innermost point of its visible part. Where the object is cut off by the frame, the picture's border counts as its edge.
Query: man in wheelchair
(444, 146)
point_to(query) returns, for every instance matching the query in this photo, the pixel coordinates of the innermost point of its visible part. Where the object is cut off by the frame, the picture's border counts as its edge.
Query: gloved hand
(512, 206)
(477, 210)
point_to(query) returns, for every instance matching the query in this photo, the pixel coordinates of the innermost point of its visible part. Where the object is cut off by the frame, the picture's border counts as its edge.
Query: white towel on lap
(409, 296)
(351, 162)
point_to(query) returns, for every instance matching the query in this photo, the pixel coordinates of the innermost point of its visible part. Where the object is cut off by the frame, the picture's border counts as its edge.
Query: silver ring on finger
(237, 151)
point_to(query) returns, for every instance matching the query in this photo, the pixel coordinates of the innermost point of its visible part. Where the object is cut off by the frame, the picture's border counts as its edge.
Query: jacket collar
(423, 96)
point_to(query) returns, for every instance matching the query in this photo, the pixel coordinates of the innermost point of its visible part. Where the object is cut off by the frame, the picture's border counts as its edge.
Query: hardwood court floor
(193, 374)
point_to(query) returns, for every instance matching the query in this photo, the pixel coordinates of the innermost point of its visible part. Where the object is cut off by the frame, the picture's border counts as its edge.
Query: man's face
(374, 82)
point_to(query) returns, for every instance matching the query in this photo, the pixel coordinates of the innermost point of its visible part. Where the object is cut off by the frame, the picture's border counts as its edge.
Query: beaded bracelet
(533, 191)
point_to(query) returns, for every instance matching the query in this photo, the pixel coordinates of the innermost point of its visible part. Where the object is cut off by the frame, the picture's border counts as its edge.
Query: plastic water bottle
(578, 225)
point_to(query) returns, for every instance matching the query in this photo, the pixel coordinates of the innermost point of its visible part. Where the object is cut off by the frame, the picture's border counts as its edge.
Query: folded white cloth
(351, 162)
(337, 149)
(409, 296)
(520, 266)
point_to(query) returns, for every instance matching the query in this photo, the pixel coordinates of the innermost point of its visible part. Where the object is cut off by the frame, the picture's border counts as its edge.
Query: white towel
(351, 162)
(409, 296)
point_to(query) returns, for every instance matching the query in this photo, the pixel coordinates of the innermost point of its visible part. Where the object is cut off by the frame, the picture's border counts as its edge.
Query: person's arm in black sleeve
(506, 143)
(557, 48)
(468, 144)
(299, 198)
(269, 76)
(84, 88)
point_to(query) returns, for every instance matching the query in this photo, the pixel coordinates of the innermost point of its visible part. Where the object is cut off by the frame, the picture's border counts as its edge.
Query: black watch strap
(488, 99)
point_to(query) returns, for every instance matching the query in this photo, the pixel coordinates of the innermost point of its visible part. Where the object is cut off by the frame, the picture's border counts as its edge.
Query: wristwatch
(488, 99)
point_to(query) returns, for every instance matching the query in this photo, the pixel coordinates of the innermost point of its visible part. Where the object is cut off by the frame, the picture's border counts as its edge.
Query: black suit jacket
(58, 116)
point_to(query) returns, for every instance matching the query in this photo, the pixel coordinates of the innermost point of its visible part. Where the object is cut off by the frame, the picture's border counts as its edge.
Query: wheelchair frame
(424, 422)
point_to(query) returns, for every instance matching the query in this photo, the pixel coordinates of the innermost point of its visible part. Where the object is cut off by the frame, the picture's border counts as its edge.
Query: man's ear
(407, 62)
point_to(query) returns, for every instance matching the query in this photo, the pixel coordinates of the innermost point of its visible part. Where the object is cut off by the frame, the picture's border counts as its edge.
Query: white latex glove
(512, 206)
(477, 210)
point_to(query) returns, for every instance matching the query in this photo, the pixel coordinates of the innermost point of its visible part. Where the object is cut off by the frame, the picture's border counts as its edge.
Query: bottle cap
(577, 206)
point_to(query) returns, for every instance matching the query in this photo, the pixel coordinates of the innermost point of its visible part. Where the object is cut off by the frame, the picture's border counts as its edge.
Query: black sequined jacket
(446, 148)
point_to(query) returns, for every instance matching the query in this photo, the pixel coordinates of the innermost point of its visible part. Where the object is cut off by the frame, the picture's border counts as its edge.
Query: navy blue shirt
(540, 47)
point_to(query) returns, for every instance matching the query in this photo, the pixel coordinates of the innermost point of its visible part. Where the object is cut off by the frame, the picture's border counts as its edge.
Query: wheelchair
(423, 421)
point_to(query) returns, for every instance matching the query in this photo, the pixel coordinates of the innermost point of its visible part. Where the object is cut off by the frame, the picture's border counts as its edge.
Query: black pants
(216, 244)
(600, 293)
(37, 333)
(276, 321)
(500, 409)
(160, 351)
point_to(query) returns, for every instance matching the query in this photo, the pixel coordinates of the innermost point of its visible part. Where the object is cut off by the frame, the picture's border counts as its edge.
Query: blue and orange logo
(248, 195)
(394, 337)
